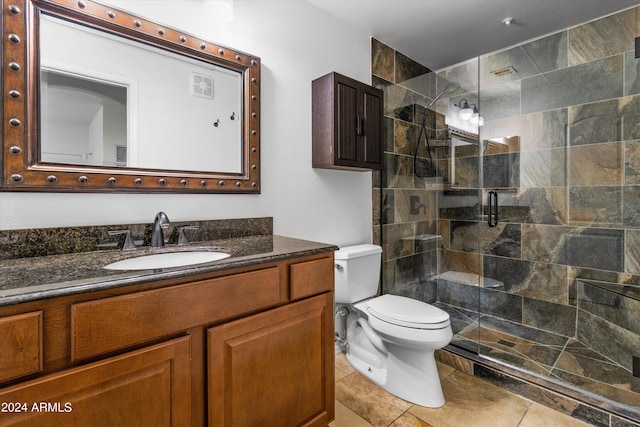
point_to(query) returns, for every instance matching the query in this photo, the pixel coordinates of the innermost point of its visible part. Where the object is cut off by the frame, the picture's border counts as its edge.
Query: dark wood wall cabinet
(252, 346)
(347, 124)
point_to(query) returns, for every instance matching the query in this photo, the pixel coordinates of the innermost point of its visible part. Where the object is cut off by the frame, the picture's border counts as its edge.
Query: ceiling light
(507, 22)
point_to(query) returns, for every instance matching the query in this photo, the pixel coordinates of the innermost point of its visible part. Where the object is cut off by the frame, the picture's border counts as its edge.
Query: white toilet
(389, 339)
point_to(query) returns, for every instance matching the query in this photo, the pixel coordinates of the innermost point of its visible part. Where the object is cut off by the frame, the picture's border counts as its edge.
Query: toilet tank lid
(357, 251)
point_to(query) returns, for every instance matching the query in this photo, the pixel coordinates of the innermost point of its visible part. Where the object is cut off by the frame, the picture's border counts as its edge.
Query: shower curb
(575, 402)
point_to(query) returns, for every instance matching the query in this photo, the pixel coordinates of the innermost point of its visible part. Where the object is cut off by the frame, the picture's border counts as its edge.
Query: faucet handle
(182, 236)
(129, 244)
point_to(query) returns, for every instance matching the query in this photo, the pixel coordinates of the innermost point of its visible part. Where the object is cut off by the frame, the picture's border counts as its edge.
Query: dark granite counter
(34, 278)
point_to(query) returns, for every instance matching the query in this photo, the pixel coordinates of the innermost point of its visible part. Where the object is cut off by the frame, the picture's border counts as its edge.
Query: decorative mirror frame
(20, 116)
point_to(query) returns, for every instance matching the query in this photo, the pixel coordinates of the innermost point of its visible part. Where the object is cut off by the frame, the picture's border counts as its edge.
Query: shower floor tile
(547, 354)
(522, 332)
(591, 371)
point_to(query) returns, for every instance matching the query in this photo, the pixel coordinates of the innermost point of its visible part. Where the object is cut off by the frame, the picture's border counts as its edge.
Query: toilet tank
(357, 272)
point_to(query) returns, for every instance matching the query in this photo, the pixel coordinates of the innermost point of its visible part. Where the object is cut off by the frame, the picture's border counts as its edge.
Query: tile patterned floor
(471, 402)
(544, 353)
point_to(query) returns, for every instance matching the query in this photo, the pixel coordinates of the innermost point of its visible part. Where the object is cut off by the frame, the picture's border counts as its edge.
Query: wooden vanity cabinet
(20, 345)
(347, 120)
(274, 368)
(147, 387)
(250, 346)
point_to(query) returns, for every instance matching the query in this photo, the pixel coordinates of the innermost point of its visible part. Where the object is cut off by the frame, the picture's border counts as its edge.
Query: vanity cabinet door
(148, 387)
(20, 345)
(371, 133)
(274, 368)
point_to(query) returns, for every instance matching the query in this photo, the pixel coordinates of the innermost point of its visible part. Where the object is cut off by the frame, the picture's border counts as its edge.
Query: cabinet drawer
(311, 278)
(113, 323)
(20, 345)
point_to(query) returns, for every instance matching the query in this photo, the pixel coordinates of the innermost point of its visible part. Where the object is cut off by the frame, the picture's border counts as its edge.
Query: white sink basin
(166, 260)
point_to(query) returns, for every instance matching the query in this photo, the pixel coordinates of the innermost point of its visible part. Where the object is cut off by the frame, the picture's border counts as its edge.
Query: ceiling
(439, 33)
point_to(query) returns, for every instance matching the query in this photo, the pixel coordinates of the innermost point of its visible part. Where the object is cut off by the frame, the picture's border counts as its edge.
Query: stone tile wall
(569, 198)
(574, 101)
(410, 240)
(609, 310)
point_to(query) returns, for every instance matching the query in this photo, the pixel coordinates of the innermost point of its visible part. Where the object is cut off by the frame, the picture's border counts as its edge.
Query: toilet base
(414, 379)
(375, 375)
(401, 361)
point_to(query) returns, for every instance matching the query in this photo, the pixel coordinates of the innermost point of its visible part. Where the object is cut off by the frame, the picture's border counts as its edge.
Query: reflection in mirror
(501, 162)
(83, 120)
(464, 160)
(503, 145)
(95, 111)
(99, 99)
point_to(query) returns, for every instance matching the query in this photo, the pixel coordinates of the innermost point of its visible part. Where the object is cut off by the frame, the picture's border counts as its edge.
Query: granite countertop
(30, 279)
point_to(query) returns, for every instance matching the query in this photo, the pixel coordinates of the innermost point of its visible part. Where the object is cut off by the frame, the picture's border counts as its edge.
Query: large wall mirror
(97, 99)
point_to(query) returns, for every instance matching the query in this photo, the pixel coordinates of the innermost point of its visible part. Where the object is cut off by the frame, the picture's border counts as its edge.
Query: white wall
(296, 43)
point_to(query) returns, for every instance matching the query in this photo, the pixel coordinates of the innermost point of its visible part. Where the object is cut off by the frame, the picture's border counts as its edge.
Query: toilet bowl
(389, 339)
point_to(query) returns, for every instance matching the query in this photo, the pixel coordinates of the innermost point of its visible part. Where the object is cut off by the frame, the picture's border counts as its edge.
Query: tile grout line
(525, 412)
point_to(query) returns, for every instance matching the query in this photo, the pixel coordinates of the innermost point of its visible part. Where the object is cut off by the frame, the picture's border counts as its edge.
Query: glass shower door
(560, 284)
(527, 303)
(460, 206)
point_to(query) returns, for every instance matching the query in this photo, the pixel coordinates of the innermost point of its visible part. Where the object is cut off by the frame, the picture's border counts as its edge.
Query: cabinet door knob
(359, 126)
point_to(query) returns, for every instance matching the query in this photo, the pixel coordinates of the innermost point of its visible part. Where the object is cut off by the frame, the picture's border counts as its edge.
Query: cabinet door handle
(359, 126)
(492, 218)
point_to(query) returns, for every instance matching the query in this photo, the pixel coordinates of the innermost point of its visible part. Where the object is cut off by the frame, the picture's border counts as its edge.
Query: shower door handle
(492, 218)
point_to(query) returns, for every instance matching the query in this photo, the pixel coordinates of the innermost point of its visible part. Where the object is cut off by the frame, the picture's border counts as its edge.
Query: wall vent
(504, 71)
(201, 85)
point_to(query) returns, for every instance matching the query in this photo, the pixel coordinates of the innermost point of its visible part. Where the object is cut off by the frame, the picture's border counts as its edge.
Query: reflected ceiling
(439, 33)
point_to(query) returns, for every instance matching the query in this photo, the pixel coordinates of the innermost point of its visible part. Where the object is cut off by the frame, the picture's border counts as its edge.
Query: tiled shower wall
(574, 101)
(410, 240)
(569, 203)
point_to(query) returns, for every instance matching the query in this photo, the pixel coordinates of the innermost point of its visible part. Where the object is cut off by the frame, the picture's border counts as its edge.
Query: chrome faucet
(157, 236)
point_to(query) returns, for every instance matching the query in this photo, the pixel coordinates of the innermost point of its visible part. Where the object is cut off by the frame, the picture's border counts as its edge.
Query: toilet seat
(407, 312)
